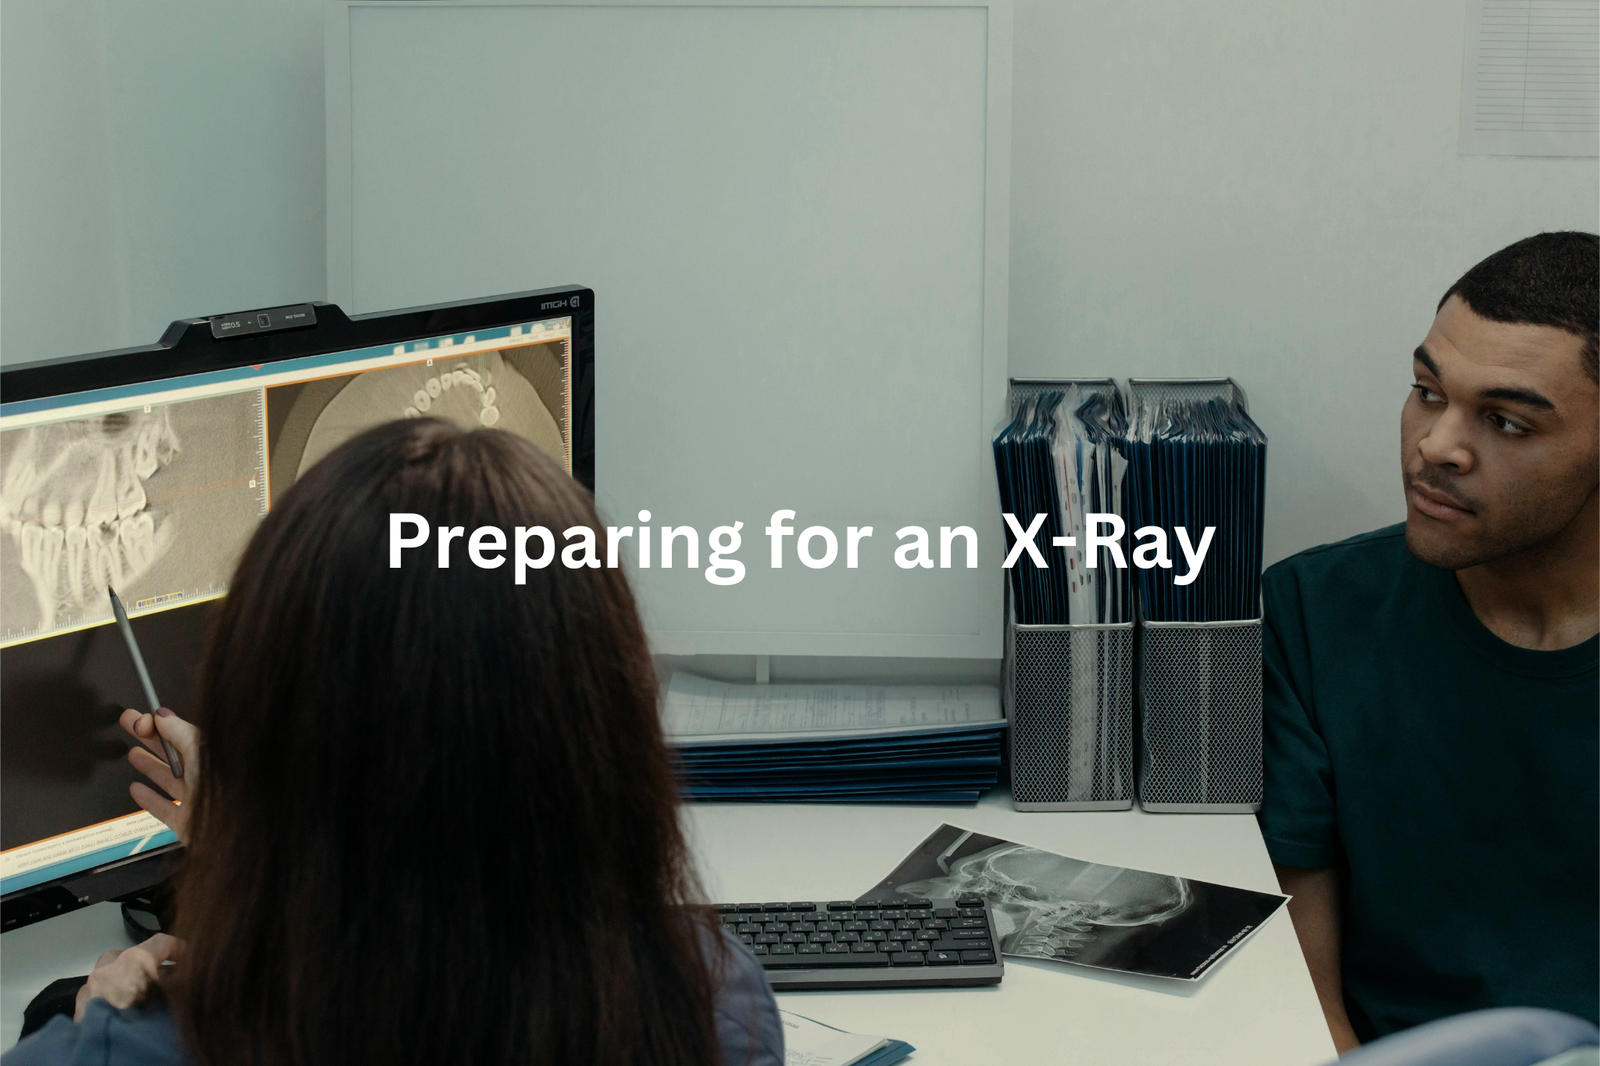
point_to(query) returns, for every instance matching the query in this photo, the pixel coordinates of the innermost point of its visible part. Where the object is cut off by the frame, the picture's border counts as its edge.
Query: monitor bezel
(188, 347)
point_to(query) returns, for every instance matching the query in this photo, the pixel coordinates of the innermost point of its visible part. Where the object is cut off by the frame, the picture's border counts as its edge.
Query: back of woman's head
(435, 818)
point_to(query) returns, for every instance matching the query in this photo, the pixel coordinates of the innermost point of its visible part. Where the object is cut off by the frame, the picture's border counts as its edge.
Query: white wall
(159, 159)
(1267, 189)
(1258, 187)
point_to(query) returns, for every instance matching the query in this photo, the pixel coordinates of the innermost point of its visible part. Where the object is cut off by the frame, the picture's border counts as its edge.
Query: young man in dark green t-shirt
(1432, 752)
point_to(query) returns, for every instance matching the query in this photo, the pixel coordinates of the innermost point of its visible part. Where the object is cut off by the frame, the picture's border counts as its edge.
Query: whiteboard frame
(987, 642)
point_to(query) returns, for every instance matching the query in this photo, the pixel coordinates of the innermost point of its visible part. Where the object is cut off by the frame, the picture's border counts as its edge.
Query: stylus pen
(144, 679)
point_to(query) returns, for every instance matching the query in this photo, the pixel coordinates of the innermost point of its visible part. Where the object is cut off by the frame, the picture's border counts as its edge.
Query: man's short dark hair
(1552, 279)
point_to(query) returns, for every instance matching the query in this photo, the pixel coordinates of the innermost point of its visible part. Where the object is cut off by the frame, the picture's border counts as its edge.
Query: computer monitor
(147, 469)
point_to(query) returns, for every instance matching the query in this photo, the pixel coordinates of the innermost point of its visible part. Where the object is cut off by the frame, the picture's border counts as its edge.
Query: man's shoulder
(1371, 560)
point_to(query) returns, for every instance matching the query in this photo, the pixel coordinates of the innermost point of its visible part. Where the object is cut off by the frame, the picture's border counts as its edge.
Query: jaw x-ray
(155, 501)
(1049, 906)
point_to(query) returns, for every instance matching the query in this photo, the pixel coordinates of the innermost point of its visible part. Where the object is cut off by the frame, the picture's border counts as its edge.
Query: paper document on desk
(1049, 906)
(810, 1043)
(696, 710)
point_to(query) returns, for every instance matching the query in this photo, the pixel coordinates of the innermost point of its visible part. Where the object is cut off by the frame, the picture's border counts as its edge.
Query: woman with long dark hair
(431, 817)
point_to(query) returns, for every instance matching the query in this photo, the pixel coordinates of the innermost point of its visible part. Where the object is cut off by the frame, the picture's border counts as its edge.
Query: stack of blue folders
(1062, 455)
(833, 743)
(1197, 464)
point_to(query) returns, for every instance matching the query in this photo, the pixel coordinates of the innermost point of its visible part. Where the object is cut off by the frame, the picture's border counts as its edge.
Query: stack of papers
(833, 743)
(1200, 464)
(1062, 455)
(810, 1043)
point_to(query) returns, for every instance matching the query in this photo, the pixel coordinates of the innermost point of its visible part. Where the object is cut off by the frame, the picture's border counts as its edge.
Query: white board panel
(795, 221)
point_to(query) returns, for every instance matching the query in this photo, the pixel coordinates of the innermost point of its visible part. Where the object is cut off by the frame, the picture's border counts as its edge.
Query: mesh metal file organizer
(1200, 716)
(1069, 696)
(1199, 688)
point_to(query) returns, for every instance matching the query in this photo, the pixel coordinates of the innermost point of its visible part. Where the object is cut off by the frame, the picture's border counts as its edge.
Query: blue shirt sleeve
(748, 1028)
(1298, 817)
(105, 1037)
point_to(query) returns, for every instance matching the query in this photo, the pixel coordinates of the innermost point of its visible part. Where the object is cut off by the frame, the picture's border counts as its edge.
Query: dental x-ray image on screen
(155, 501)
(113, 475)
(522, 389)
(1049, 906)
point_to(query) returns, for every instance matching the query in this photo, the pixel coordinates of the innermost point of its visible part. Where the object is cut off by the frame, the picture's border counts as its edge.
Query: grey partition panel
(795, 221)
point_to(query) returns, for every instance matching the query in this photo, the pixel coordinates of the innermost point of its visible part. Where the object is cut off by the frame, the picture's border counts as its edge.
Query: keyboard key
(908, 958)
(856, 927)
(908, 923)
(864, 916)
(825, 962)
(727, 908)
(794, 938)
(928, 934)
(963, 945)
(891, 904)
(748, 907)
(802, 927)
(923, 913)
(877, 936)
(862, 948)
(759, 949)
(972, 912)
(946, 912)
(841, 905)
(781, 949)
(767, 938)
(847, 938)
(819, 938)
(883, 924)
(943, 958)
(977, 956)
(936, 923)
(803, 907)
(808, 949)
(830, 927)
(774, 906)
(968, 923)
(969, 934)
(969, 899)
(836, 949)
(747, 938)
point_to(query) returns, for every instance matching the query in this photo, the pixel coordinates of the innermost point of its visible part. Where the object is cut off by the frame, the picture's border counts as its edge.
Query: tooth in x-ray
(73, 498)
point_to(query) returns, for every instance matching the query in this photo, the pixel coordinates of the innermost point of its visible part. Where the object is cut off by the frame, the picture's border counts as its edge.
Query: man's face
(1499, 443)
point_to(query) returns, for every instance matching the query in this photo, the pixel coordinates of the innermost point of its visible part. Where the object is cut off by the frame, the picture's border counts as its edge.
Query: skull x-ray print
(1050, 906)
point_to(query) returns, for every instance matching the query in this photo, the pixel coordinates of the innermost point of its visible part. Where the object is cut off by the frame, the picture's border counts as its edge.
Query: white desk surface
(1256, 1008)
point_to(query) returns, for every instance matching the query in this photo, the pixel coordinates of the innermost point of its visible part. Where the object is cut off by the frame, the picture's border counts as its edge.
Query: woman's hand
(148, 729)
(123, 978)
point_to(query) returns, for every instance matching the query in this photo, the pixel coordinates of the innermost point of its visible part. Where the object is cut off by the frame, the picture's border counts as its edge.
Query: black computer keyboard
(870, 943)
